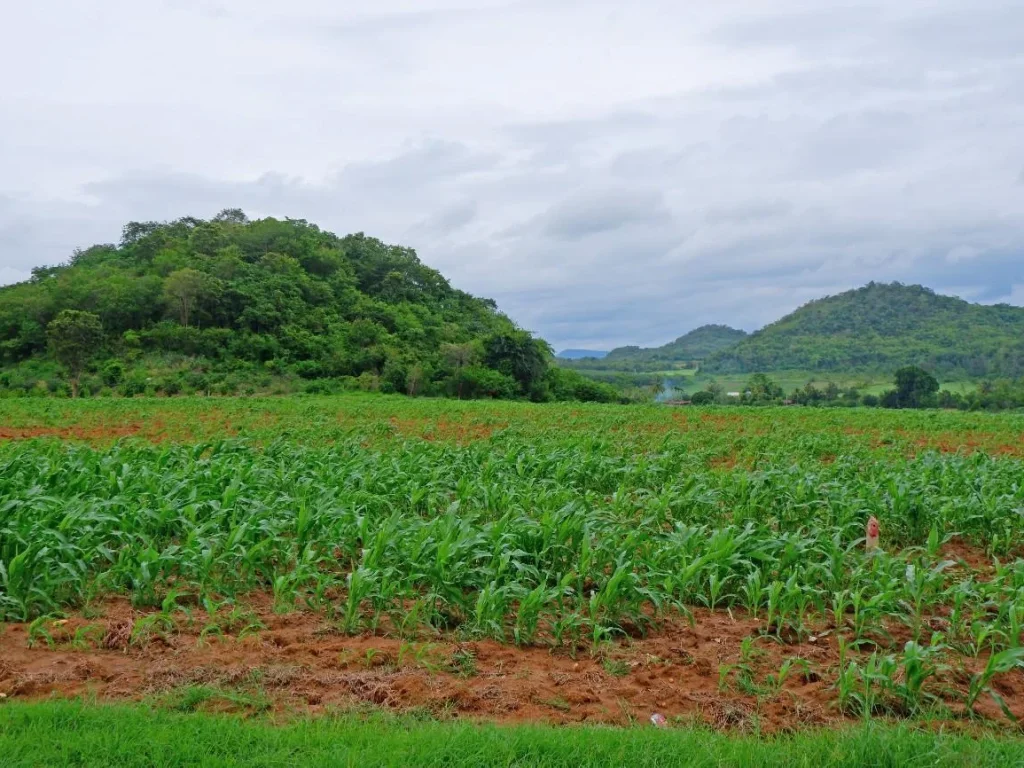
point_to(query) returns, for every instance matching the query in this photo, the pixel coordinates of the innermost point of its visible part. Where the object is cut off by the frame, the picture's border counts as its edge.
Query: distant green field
(792, 380)
(678, 373)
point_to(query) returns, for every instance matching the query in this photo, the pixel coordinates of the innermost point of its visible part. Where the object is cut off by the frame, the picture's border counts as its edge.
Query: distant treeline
(913, 388)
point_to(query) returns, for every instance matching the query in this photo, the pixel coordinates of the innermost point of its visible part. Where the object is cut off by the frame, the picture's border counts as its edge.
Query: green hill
(233, 305)
(879, 328)
(579, 354)
(695, 345)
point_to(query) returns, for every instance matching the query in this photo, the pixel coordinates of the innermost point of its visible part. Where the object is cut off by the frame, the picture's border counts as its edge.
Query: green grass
(692, 380)
(792, 380)
(70, 733)
(677, 373)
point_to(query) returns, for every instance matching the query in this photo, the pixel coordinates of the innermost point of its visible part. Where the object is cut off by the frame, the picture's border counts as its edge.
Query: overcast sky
(609, 172)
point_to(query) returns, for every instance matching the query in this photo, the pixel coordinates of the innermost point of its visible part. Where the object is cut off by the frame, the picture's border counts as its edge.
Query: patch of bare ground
(300, 663)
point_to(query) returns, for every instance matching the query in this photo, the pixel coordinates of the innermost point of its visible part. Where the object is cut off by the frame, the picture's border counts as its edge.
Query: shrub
(112, 372)
(133, 384)
(171, 385)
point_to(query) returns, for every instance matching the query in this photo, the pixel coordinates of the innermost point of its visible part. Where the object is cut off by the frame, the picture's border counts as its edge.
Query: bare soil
(299, 663)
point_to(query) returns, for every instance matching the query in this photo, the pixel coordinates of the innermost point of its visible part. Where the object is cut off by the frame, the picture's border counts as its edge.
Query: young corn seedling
(998, 664)
(40, 630)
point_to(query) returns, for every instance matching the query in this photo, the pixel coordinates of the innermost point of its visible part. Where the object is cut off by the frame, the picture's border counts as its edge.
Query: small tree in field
(75, 337)
(915, 387)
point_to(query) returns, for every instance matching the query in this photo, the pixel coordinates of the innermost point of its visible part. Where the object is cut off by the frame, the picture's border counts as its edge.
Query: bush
(702, 398)
(170, 385)
(198, 382)
(890, 399)
(309, 369)
(89, 386)
(320, 387)
(475, 381)
(133, 384)
(368, 382)
(112, 372)
(567, 384)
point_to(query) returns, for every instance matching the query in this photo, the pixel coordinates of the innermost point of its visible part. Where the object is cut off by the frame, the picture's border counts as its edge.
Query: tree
(915, 387)
(75, 337)
(414, 379)
(518, 355)
(704, 397)
(134, 231)
(761, 389)
(183, 288)
(457, 357)
(475, 381)
(232, 216)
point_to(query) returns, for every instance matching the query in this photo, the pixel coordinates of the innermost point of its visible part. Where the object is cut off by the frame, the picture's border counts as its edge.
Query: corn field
(566, 527)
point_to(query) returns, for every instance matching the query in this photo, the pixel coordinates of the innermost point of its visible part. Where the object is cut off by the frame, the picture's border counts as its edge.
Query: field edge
(77, 732)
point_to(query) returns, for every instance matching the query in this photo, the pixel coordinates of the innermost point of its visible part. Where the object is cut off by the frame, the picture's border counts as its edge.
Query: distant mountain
(881, 327)
(579, 354)
(695, 345)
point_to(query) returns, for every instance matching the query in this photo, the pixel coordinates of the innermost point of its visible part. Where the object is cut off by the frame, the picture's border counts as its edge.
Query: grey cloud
(853, 142)
(447, 221)
(821, 28)
(432, 161)
(986, 29)
(755, 209)
(208, 8)
(594, 213)
(735, 165)
(574, 133)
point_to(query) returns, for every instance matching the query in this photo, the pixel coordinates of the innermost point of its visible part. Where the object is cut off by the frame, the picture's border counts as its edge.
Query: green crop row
(507, 540)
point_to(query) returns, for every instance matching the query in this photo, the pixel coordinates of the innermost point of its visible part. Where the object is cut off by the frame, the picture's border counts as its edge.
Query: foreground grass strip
(70, 733)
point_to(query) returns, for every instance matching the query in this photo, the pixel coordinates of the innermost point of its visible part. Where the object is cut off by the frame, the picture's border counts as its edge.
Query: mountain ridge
(881, 327)
(579, 354)
(693, 345)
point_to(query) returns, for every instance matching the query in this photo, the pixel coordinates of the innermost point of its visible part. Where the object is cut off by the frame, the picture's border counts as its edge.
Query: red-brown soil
(90, 434)
(302, 664)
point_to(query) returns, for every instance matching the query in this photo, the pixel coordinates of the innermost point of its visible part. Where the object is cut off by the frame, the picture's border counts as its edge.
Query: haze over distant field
(611, 173)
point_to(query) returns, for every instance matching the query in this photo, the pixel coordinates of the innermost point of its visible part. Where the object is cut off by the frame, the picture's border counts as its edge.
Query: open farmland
(510, 562)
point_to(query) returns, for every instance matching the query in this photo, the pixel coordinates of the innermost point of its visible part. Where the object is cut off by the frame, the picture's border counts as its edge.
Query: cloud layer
(609, 173)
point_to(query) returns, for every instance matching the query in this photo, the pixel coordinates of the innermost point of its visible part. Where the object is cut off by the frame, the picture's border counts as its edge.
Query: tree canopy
(881, 327)
(233, 304)
(75, 338)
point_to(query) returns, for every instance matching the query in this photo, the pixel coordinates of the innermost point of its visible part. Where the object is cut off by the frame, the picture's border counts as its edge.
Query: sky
(611, 173)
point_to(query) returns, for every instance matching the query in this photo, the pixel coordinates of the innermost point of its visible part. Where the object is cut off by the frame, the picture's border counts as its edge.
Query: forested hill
(881, 327)
(695, 345)
(237, 305)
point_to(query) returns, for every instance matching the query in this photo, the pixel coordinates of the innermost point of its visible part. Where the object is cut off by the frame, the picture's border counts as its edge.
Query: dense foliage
(882, 327)
(232, 305)
(913, 387)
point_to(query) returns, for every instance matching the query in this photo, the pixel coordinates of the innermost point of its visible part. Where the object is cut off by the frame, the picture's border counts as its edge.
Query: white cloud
(609, 173)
